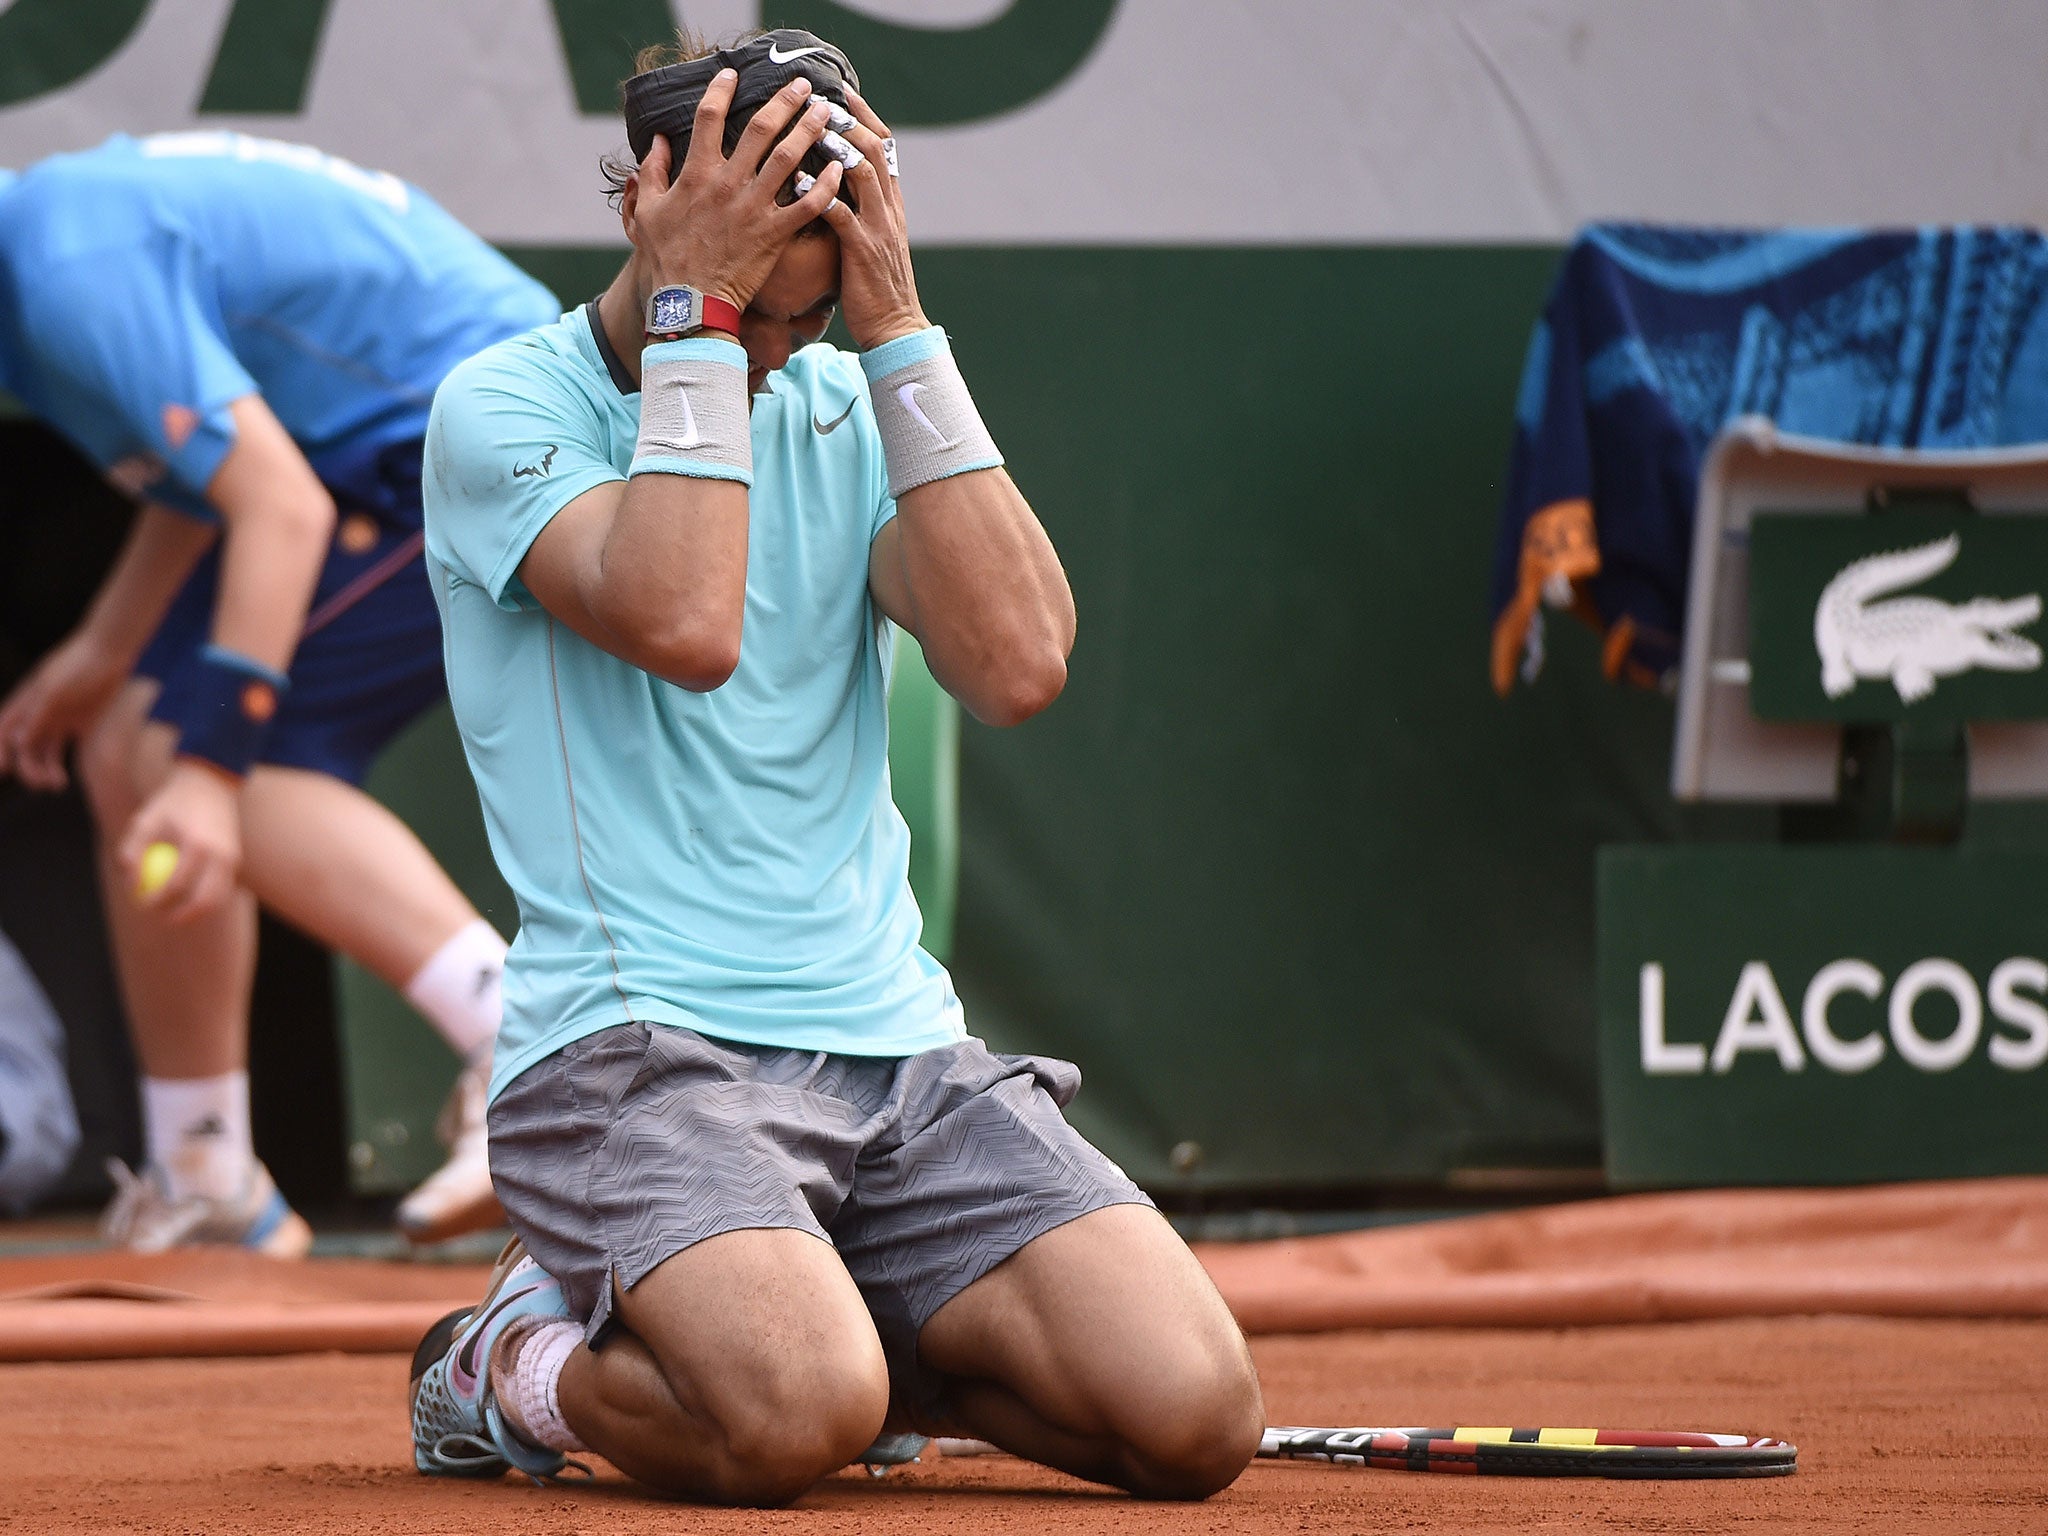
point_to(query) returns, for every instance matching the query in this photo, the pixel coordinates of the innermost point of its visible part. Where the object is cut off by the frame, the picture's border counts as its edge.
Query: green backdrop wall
(1311, 907)
(1304, 898)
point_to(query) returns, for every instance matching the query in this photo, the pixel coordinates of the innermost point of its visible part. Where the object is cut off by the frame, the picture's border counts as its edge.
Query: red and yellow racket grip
(1538, 1452)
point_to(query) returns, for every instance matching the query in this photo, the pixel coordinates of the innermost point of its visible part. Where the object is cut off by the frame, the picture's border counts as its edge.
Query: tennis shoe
(144, 1218)
(891, 1449)
(458, 1429)
(457, 1197)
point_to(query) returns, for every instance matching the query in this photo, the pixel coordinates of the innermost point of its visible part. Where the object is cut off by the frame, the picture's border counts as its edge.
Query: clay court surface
(1903, 1425)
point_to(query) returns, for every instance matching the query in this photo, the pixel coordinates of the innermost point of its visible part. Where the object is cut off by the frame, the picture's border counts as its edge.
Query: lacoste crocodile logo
(539, 466)
(1913, 641)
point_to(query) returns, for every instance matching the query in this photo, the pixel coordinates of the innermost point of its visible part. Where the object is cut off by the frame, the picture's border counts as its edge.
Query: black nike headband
(664, 101)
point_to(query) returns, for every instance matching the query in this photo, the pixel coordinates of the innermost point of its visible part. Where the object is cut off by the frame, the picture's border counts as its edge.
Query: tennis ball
(159, 863)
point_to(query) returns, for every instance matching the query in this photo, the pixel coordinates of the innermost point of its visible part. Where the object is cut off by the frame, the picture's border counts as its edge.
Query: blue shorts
(369, 661)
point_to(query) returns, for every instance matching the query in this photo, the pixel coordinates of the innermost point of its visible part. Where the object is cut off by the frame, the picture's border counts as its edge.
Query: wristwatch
(680, 310)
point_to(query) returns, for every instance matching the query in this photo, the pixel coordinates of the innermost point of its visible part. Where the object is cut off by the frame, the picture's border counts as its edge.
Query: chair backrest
(1723, 750)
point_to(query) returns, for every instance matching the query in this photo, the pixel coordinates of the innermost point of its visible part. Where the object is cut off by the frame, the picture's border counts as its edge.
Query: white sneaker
(143, 1217)
(458, 1196)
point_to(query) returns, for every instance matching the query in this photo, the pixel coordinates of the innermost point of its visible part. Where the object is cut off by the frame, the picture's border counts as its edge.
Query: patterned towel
(1653, 338)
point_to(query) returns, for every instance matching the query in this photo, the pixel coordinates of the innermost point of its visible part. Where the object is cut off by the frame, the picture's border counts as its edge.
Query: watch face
(675, 309)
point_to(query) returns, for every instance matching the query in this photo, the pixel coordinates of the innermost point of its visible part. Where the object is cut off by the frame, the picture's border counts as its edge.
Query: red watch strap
(721, 314)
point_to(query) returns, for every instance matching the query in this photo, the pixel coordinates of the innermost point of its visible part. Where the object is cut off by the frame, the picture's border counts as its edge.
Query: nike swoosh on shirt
(907, 393)
(777, 56)
(826, 429)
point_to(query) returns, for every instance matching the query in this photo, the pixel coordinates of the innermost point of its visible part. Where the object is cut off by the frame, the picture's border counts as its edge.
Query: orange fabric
(201, 1302)
(130, 1330)
(1557, 541)
(228, 1274)
(1967, 1248)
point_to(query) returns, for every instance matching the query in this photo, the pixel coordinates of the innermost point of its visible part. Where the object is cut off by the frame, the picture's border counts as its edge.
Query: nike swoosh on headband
(826, 429)
(777, 56)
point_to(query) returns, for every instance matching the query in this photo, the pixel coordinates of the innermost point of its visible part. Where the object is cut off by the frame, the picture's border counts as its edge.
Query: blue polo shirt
(730, 862)
(148, 283)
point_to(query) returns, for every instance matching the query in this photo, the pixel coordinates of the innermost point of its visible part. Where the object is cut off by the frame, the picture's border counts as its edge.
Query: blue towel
(1654, 338)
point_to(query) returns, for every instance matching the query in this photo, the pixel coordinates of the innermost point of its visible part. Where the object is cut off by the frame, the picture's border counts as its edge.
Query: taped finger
(837, 147)
(889, 154)
(815, 195)
(866, 113)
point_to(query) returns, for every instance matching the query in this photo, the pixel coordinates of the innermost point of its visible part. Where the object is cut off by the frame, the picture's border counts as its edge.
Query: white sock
(197, 1133)
(528, 1386)
(460, 988)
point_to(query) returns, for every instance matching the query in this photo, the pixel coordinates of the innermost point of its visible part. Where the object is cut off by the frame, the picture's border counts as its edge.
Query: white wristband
(693, 411)
(930, 428)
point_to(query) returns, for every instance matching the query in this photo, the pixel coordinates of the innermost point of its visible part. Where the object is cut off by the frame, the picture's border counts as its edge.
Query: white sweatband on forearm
(930, 428)
(693, 411)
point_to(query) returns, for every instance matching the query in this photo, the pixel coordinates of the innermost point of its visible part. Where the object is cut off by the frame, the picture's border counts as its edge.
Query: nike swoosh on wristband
(777, 56)
(691, 437)
(826, 429)
(907, 393)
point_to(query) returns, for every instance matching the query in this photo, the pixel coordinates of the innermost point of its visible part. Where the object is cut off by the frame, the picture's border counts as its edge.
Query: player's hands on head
(197, 810)
(877, 290)
(55, 705)
(713, 222)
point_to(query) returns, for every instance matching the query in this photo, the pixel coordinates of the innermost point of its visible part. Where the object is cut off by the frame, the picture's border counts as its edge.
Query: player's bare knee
(787, 1434)
(1200, 1432)
(768, 1460)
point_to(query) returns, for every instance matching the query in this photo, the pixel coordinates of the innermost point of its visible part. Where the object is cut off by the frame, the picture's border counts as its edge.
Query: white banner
(1224, 121)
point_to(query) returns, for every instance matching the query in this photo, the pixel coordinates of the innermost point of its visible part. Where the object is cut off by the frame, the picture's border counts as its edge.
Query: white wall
(1239, 121)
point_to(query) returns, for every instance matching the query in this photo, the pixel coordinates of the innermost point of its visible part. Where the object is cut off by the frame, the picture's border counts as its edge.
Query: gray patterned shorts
(924, 1172)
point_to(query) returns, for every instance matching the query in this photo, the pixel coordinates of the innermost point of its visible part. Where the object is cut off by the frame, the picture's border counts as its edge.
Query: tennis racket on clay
(1538, 1452)
(1515, 1452)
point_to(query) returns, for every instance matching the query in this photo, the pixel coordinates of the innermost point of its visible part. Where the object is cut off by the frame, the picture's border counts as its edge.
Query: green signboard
(1918, 614)
(1817, 1015)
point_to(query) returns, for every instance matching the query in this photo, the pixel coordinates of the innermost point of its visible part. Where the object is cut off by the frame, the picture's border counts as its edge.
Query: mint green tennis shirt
(730, 862)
